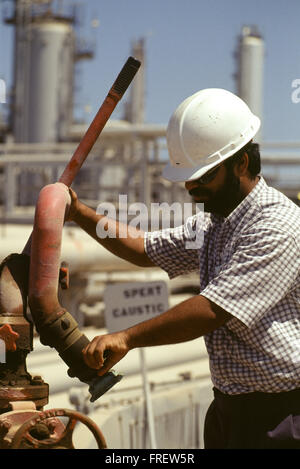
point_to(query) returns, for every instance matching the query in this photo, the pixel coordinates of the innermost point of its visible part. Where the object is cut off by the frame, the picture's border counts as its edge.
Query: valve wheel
(62, 441)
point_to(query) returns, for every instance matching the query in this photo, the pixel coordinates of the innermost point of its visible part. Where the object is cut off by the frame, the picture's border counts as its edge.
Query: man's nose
(189, 185)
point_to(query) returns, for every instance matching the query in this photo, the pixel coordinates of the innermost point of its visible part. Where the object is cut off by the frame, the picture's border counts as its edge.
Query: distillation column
(249, 75)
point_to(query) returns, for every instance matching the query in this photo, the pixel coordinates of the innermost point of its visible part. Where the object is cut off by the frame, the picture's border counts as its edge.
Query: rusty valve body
(64, 335)
(16, 331)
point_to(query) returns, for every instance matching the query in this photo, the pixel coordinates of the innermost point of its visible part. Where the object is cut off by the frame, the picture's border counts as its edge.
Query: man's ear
(241, 167)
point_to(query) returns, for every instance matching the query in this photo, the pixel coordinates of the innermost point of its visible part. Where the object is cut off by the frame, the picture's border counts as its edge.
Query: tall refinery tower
(249, 74)
(45, 54)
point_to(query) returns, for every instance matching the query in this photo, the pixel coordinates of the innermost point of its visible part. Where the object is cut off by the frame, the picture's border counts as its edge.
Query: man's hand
(103, 352)
(188, 320)
(74, 205)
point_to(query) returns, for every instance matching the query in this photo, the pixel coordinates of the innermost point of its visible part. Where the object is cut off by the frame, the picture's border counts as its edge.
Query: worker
(248, 309)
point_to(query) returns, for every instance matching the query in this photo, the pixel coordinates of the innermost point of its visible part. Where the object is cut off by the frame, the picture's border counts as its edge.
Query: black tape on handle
(126, 76)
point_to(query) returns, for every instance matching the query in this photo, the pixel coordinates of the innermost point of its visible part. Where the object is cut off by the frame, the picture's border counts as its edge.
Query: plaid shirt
(249, 264)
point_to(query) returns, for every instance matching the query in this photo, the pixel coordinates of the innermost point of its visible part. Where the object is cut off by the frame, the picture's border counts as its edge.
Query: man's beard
(226, 199)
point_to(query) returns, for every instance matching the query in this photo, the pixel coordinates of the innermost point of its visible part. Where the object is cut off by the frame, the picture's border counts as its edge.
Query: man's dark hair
(254, 166)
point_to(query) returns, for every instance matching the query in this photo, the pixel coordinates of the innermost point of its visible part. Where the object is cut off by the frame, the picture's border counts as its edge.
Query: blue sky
(189, 46)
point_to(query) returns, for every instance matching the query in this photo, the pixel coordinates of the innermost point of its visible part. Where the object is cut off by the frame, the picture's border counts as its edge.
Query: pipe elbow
(53, 202)
(57, 327)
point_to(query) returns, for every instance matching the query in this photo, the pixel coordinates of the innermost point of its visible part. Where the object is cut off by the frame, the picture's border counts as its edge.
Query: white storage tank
(249, 76)
(51, 77)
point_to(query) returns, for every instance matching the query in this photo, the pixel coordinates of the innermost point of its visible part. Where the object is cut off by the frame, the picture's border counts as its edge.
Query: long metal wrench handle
(114, 95)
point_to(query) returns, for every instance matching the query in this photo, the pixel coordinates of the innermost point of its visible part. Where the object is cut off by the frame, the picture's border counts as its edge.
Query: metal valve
(44, 430)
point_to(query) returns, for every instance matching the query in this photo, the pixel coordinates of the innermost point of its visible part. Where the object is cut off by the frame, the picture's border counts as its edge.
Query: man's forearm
(188, 320)
(124, 241)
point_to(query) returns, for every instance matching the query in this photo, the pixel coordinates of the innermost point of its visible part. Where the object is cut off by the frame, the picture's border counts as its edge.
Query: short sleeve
(177, 250)
(262, 270)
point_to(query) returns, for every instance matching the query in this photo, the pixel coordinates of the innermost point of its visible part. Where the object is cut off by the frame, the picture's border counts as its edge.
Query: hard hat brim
(185, 174)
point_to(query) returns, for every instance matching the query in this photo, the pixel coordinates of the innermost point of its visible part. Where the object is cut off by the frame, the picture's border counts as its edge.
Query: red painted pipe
(46, 239)
(114, 95)
(56, 326)
(45, 242)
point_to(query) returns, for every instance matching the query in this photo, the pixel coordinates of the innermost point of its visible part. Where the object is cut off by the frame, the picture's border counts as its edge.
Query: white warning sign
(127, 304)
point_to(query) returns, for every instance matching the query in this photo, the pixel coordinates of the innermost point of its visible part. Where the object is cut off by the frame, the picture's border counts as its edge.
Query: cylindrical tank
(250, 61)
(50, 86)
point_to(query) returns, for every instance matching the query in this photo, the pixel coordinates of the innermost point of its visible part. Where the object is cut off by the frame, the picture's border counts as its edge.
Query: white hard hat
(205, 129)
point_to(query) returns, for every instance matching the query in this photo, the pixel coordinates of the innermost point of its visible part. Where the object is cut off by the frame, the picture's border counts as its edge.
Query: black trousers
(253, 421)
